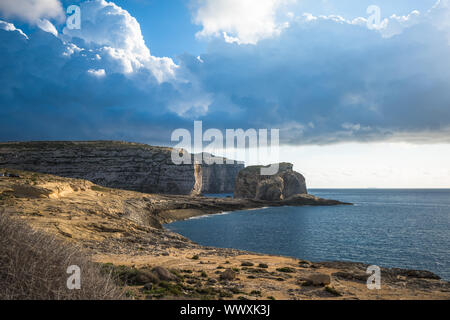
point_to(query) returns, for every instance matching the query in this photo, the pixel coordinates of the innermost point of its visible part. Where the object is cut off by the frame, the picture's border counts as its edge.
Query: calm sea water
(390, 228)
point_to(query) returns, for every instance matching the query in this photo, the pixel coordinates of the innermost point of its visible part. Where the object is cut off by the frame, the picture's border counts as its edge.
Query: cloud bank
(31, 10)
(320, 79)
(240, 21)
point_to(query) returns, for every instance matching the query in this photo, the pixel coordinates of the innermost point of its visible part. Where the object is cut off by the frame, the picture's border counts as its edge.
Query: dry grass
(33, 266)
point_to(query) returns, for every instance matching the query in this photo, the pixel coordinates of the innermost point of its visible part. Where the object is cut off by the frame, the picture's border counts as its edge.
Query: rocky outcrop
(121, 165)
(122, 230)
(250, 184)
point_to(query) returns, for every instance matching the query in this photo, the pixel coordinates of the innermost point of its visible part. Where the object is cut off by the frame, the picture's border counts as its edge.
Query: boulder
(250, 184)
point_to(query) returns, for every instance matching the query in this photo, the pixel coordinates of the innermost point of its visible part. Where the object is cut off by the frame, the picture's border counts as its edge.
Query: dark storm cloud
(320, 81)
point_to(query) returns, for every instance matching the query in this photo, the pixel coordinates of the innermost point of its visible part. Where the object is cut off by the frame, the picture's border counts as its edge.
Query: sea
(402, 228)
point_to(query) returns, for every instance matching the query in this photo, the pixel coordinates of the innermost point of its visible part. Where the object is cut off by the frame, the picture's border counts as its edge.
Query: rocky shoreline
(123, 230)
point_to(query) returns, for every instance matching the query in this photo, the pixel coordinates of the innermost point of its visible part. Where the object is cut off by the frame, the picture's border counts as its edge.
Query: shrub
(286, 270)
(228, 275)
(33, 266)
(256, 293)
(130, 276)
(254, 270)
(333, 291)
(247, 264)
(225, 294)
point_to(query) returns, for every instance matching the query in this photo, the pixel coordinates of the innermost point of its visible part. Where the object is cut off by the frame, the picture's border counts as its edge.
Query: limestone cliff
(250, 184)
(122, 165)
(123, 231)
(218, 178)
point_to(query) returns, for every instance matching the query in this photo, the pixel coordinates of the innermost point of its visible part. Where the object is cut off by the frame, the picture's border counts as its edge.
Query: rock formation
(122, 232)
(220, 178)
(122, 165)
(250, 184)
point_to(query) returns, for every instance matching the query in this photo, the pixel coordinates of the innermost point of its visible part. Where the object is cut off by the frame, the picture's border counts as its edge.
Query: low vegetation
(160, 283)
(247, 264)
(100, 189)
(33, 266)
(286, 270)
(333, 291)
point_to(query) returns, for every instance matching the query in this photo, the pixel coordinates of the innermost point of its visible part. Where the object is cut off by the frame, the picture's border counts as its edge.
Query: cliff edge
(120, 165)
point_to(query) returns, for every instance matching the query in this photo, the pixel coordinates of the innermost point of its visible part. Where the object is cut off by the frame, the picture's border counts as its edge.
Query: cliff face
(121, 165)
(250, 184)
(219, 178)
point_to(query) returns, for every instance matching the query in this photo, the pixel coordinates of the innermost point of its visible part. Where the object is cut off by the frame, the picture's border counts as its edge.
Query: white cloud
(322, 80)
(388, 27)
(112, 30)
(240, 21)
(440, 16)
(106, 24)
(102, 77)
(31, 10)
(248, 21)
(47, 26)
(396, 24)
(56, 89)
(97, 73)
(352, 83)
(10, 27)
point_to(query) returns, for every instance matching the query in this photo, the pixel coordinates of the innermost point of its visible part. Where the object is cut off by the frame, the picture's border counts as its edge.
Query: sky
(356, 106)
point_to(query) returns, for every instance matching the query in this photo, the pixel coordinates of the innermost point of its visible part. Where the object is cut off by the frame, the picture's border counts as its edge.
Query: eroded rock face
(122, 165)
(220, 178)
(250, 184)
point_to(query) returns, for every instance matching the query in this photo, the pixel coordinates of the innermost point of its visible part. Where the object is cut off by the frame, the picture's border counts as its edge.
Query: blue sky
(139, 69)
(168, 27)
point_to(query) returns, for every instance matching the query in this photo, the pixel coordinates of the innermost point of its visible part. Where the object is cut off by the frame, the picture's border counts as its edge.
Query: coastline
(124, 228)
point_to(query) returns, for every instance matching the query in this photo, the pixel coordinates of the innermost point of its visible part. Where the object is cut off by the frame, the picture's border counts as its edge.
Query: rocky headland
(121, 165)
(122, 231)
(285, 184)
